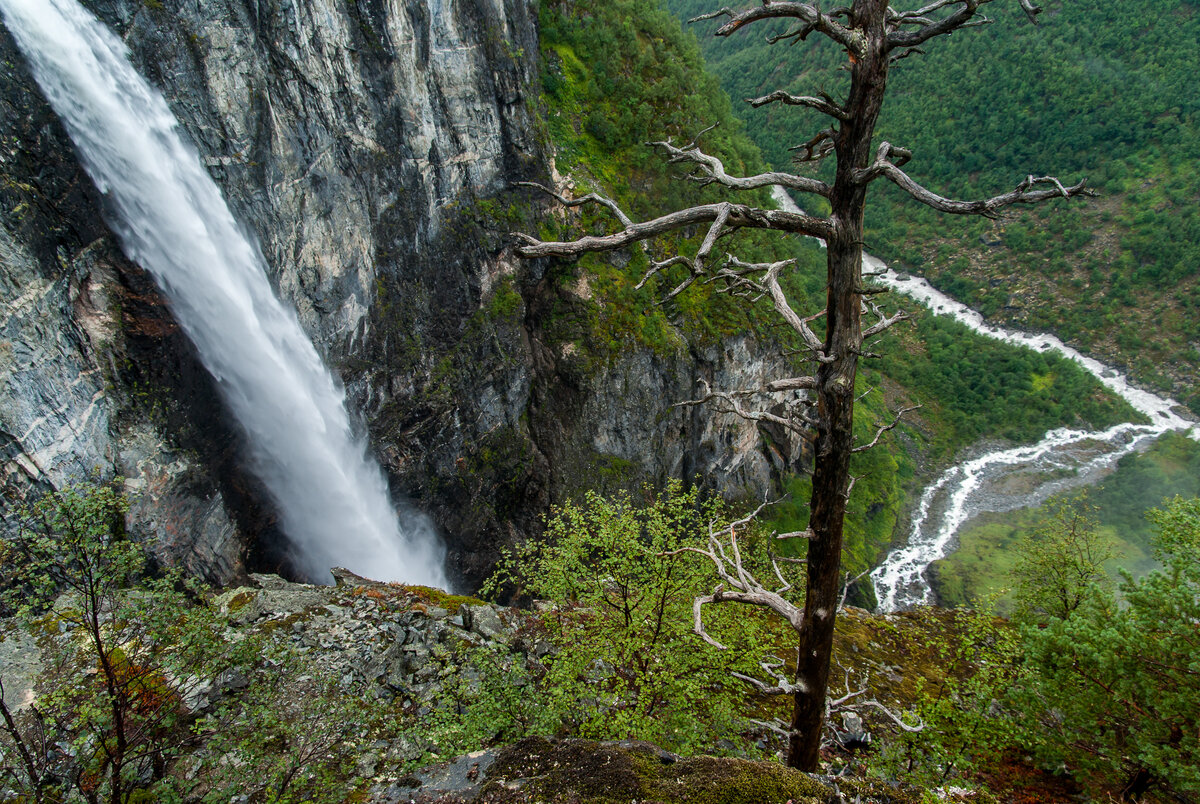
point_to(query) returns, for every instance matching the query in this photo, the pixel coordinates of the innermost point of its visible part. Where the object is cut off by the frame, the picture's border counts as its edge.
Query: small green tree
(1117, 685)
(1061, 562)
(120, 652)
(625, 662)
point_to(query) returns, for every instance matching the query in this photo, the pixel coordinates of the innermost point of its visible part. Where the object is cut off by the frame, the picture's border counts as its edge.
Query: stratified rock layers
(370, 147)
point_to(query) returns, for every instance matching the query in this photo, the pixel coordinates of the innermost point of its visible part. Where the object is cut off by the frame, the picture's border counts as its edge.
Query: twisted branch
(732, 216)
(713, 171)
(822, 105)
(884, 428)
(808, 13)
(988, 207)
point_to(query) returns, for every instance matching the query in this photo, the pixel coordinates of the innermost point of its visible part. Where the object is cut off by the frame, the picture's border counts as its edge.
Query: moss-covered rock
(585, 772)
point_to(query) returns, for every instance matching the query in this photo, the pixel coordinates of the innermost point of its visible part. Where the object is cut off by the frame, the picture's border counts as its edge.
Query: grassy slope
(1098, 89)
(619, 73)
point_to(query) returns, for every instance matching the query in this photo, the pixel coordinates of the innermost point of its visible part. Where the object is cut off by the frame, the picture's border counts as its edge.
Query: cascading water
(1062, 459)
(171, 219)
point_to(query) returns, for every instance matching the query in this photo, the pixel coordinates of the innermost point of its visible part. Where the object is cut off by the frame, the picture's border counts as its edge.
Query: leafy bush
(121, 652)
(1116, 682)
(625, 663)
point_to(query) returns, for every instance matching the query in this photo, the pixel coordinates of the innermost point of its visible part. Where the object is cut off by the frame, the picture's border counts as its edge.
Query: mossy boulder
(538, 769)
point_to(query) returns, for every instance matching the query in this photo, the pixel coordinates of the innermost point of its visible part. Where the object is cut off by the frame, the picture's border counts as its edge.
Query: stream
(1014, 477)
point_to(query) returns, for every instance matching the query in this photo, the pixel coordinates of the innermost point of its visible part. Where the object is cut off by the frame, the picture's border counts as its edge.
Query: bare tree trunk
(835, 389)
(872, 36)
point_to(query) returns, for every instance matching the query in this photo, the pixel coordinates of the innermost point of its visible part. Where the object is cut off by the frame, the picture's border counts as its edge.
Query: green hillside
(619, 73)
(1102, 90)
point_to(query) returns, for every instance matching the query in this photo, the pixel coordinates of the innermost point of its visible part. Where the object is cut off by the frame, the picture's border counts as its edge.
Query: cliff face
(370, 146)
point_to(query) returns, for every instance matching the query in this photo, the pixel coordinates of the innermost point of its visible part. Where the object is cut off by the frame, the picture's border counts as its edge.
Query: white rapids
(1064, 458)
(171, 219)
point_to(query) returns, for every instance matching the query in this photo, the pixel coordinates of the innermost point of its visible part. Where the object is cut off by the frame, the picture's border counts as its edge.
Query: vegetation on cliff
(601, 113)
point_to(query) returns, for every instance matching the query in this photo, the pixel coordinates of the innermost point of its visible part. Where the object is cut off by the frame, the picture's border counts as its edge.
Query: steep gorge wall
(370, 145)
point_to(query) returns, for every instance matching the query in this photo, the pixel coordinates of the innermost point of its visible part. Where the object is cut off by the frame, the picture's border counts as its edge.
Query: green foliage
(988, 547)
(626, 664)
(294, 735)
(1098, 90)
(971, 387)
(964, 727)
(617, 75)
(1116, 686)
(122, 651)
(1061, 563)
(493, 699)
(983, 387)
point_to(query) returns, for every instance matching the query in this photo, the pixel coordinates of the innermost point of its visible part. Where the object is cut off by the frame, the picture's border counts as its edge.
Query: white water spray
(1062, 459)
(172, 220)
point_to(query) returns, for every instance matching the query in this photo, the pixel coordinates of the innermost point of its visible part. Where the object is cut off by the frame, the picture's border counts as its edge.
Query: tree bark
(835, 387)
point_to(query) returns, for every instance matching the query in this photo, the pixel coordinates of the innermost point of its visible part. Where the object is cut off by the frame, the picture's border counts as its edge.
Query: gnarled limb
(590, 198)
(713, 172)
(808, 13)
(885, 323)
(782, 685)
(737, 583)
(1025, 192)
(963, 17)
(884, 428)
(846, 703)
(799, 423)
(733, 216)
(822, 105)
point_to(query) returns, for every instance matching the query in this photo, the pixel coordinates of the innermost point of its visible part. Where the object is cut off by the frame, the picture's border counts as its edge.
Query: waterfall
(172, 220)
(1062, 459)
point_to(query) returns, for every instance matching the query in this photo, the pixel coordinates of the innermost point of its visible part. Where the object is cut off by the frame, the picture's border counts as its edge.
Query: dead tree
(874, 35)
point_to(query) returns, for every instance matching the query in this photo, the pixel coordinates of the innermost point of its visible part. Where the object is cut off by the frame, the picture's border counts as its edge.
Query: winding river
(1012, 478)
(1018, 477)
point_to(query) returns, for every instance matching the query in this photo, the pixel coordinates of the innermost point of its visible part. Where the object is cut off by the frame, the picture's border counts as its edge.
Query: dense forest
(1100, 90)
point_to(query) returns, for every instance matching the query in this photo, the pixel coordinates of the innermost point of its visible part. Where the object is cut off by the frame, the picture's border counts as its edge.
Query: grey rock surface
(370, 148)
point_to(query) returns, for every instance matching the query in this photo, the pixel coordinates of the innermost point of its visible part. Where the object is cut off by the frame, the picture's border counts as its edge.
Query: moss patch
(442, 599)
(586, 772)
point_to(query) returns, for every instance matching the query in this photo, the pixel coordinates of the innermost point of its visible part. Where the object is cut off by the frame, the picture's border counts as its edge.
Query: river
(1009, 478)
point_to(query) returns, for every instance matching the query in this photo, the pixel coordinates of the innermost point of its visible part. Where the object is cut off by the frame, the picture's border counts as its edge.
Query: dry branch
(713, 172)
(808, 13)
(988, 207)
(884, 428)
(821, 105)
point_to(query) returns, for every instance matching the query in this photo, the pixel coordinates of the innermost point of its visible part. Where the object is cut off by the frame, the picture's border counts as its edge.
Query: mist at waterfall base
(172, 220)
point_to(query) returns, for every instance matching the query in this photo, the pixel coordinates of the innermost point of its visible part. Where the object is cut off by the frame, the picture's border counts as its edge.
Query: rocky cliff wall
(370, 146)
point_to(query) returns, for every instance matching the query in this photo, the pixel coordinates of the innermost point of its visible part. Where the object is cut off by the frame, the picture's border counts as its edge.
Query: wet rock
(486, 622)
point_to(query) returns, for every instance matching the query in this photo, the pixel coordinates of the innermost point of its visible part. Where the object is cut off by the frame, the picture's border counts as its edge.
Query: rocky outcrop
(370, 147)
(538, 769)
